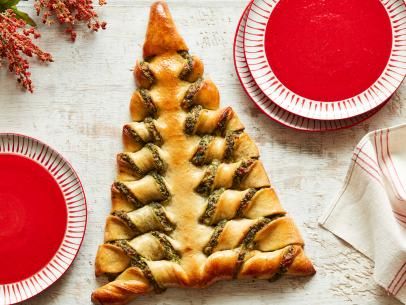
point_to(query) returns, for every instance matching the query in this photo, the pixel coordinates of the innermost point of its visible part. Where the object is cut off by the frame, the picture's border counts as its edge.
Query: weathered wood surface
(81, 102)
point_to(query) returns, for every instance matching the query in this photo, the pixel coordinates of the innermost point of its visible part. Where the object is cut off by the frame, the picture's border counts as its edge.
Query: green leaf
(23, 16)
(9, 3)
(3, 7)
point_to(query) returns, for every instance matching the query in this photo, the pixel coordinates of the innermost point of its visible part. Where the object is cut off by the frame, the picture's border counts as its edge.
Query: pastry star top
(192, 203)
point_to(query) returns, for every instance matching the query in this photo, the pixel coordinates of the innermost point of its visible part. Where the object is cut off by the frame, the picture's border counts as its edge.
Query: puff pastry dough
(192, 203)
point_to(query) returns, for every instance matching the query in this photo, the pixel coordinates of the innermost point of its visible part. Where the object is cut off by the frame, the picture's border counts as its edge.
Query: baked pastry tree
(192, 203)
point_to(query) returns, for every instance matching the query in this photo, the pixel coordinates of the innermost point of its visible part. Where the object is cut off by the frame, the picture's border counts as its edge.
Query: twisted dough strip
(132, 282)
(137, 134)
(239, 175)
(202, 92)
(220, 265)
(235, 146)
(251, 203)
(135, 165)
(129, 195)
(203, 121)
(267, 234)
(126, 225)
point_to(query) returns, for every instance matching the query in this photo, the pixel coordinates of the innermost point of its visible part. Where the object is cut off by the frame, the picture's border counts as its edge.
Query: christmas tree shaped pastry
(192, 203)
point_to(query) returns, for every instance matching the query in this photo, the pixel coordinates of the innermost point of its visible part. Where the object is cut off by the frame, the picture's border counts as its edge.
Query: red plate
(327, 59)
(272, 110)
(42, 217)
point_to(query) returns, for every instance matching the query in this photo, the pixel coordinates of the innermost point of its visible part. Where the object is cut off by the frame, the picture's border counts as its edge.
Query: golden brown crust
(132, 283)
(192, 203)
(197, 70)
(143, 75)
(208, 96)
(162, 35)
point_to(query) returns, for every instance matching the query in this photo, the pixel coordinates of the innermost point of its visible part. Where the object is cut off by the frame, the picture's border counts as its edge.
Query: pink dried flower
(15, 42)
(67, 12)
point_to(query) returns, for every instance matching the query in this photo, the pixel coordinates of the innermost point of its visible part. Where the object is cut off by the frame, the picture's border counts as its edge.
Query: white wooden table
(81, 102)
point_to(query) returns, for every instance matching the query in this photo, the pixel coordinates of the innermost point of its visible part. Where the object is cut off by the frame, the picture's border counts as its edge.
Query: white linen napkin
(370, 211)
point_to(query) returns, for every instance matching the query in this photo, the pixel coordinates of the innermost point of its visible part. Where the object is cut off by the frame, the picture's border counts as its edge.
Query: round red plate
(272, 110)
(327, 59)
(42, 217)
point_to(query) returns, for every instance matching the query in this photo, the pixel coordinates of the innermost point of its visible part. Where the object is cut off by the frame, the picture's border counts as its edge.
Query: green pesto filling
(223, 120)
(146, 72)
(199, 157)
(147, 99)
(230, 143)
(128, 130)
(126, 158)
(149, 58)
(187, 69)
(244, 202)
(242, 171)
(191, 119)
(287, 260)
(190, 93)
(158, 162)
(138, 261)
(159, 212)
(247, 242)
(214, 239)
(170, 252)
(161, 185)
(156, 137)
(240, 261)
(205, 186)
(124, 217)
(206, 218)
(111, 276)
(123, 189)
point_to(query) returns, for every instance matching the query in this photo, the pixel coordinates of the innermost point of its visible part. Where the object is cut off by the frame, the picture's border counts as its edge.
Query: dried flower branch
(16, 37)
(67, 12)
(15, 43)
